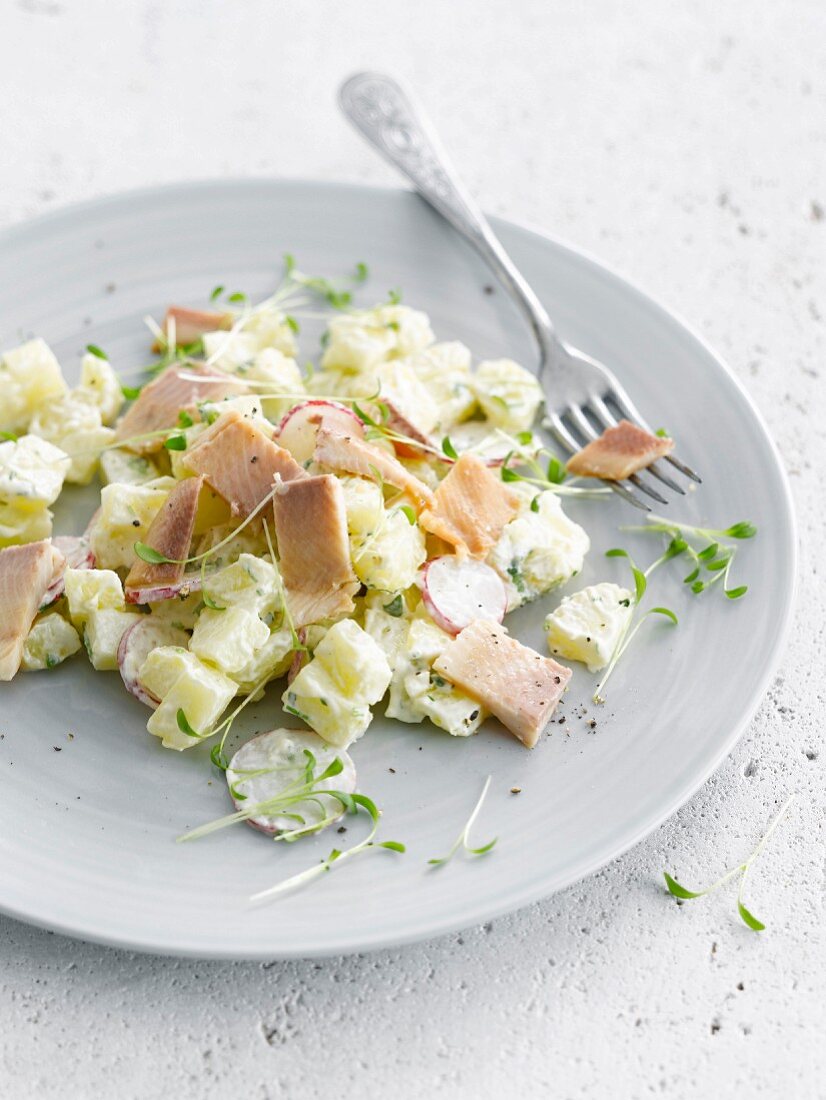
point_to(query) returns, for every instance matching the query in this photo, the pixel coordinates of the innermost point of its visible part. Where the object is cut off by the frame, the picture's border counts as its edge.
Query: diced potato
(247, 405)
(248, 541)
(250, 583)
(229, 638)
(126, 512)
(118, 466)
(400, 384)
(102, 634)
(99, 386)
(278, 374)
(334, 691)
(538, 550)
(229, 350)
(271, 329)
(588, 625)
(444, 370)
(74, 425)
(32, 471)
(30, 377)
(416, 692)
(509, 395)
(19, 524)
(182, 611)
(164, 666)
(272, 660)
(361, 340)
(50, 641)
(364, 504)
(89, 590)
(202, 693)
(388, 630)
(390, 558)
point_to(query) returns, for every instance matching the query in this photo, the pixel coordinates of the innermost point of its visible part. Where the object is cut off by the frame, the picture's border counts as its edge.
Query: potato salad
(336, 541)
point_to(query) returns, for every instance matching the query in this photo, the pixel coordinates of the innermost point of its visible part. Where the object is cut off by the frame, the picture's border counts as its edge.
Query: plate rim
(530, 894)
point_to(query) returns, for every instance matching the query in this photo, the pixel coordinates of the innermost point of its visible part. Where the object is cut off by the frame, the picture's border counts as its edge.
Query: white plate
(87, 834)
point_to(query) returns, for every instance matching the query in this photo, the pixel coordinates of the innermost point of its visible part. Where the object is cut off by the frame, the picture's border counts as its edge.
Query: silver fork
(587, 398)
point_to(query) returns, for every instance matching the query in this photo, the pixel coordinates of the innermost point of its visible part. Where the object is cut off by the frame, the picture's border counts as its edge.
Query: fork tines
(577, 425)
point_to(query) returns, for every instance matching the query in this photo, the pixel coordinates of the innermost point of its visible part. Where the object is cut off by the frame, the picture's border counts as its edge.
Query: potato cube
(30, 377)
(228, 638)
(50, 641)
(102, 634)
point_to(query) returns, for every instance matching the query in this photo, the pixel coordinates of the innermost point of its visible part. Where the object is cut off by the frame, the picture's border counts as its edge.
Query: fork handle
(384, 113)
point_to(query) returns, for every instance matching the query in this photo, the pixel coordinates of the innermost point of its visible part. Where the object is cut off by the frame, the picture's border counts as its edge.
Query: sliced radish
(136, 645)
(189, 583)
(299, 427)
(280, 756)
(457, 591)
(78, 555)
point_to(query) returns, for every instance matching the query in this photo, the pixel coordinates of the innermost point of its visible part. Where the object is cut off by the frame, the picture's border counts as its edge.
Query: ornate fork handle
(386, 116)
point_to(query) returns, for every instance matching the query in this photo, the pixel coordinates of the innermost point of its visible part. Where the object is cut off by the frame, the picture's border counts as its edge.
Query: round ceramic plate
(92, 804)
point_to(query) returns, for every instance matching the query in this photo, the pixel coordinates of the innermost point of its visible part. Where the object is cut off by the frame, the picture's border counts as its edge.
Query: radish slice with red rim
(136, 645)
(299, 427)
(188, 584)
(457, 591)
(265, 766)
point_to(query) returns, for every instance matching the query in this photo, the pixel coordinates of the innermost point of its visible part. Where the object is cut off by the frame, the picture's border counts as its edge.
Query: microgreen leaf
(392, 845)
(692, 576)
(710, 551)
(237, 296)
(450, 450)
(184, 419)
(524, 438)
(175, 443)
(741, 530)
(394, 297)
(362, 272)
(736, 593)
(218, 758)
(749, 918)
(716, 566)
(698, 587)
(395, 607)
(210, 603)
(556, 472)
(409, 512)
(289, 263)
(130, 392)
(93, 349)
(463, 837)
(291, 323)
(617, 553)
(662, 433)
(9, 436)
(535, 504)
(216, 293)
(640, 583)
(511, 475)
(362, 415)
(154, 557)
(669, 614)
(183, 724)
(680, 891)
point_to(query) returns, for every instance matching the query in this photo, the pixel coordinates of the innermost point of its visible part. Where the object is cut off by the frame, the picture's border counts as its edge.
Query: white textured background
(686, 144)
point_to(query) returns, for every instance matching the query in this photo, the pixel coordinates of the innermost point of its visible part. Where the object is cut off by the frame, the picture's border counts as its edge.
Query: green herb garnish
(748, 918)
(462, 840)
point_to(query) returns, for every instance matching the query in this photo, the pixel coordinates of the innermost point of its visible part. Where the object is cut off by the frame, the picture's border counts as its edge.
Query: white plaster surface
(685, 143)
